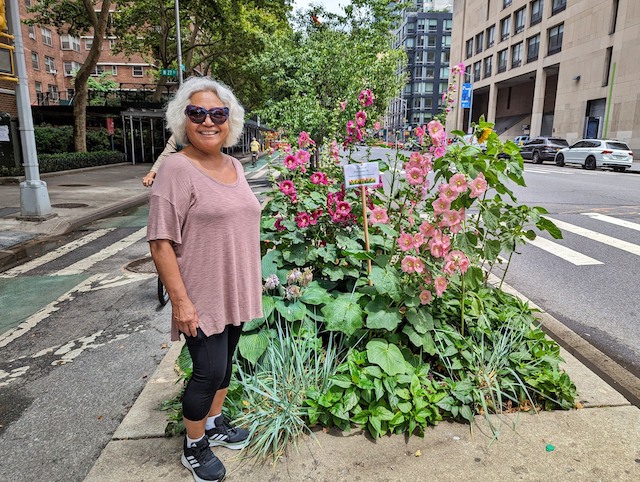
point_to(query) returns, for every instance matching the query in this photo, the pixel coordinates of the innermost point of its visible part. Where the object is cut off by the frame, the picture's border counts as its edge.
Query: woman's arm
(184, 313)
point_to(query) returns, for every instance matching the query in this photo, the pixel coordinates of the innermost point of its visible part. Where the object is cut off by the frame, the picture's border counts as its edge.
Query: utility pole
(179, 41)
(34, 197)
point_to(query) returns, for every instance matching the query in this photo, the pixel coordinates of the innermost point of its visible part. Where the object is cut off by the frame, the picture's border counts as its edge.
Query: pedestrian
(204, 236)
(255, 149)
(171, 147)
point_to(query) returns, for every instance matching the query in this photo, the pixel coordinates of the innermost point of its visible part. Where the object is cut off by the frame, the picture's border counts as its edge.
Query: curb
(44, 175)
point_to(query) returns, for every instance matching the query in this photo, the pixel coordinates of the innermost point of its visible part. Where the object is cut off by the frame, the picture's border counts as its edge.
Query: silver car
(592, 153)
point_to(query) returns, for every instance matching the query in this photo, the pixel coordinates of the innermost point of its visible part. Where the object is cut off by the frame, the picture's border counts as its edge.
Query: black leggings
(211, 356)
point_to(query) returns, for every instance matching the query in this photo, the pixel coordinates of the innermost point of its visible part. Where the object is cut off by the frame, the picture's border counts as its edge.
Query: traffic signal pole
(34, 197)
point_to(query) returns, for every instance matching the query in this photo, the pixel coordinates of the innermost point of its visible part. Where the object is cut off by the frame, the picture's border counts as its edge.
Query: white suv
(592, 153)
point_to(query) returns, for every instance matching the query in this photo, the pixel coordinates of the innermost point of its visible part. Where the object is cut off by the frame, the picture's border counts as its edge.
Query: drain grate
(69, 205)
(143, 265)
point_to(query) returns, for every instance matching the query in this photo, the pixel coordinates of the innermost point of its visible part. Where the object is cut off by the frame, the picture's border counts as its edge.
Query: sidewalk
(598, 442)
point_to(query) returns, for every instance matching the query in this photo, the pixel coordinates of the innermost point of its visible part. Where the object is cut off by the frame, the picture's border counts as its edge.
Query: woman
(169, 149)
(204, 236)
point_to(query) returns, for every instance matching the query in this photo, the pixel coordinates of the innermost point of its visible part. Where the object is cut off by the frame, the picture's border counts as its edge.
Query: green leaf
(270, 262)
(291, 311)
(387, 356)
(334, 274)
(252, 346)
(547, 225)
(328, 252)
(387, 319)
(268, 305)
(466, 413)
(344, 314)
(348, 244)
(296, 254)
(387, 281)
(420, 318)
(314, 294)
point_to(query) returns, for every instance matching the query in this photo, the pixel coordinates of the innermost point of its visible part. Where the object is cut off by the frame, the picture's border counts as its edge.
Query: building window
(488, 61)
(491, 36)
(35, 61)
(31, 32)
(411, 27)
(502, 60)
(469, 48)
(477, 69)
(417, 103)
(53, 92)
(444, 72)
(505, 28)
(479, 42)
(136, 71)
(418, 72)
(88, 43)
(430, 73)
(428, 103)
(69, 42)
(558, 6)
(445, 57)
(421, 24)
(516, 55)
(607, 66)
(433, 25)
(555, 39)
(506, 3)
(431, 57)
(614, 16)
(446, 41)
(46, 37)
(38, 87)
(409, 43)
(533, 47)
(114, 70)
(50, 65)
(447, 25)
(71, 94)
(70, 67)
(536, 12)
(27, 3)
(519, 17)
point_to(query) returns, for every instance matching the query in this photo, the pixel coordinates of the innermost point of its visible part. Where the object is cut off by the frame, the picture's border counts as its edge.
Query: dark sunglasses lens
(218, 116)
(197, 115)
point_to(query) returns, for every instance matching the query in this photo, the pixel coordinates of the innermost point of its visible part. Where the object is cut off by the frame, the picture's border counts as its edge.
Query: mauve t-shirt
(215, 232)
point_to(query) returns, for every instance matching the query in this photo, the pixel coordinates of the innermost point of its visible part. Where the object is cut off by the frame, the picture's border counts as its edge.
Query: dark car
(542, 149)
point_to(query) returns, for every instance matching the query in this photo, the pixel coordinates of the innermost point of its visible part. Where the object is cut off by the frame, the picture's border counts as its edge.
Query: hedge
(68, 160)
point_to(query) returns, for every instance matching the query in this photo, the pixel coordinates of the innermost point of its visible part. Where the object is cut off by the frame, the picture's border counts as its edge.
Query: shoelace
(202, 453)
(226, 425)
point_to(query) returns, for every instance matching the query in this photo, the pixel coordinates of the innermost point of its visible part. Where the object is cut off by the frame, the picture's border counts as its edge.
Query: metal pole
(179, 42)
(606, 119)
(470, 107)
(34, 197)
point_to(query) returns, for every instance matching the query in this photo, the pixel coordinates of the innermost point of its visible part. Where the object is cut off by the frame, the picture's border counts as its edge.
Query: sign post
(466, 101)
(111, 130)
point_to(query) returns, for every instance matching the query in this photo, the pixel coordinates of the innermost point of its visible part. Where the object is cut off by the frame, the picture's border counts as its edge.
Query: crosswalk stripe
(612, 220)
(595, 236)
(545, 171)
(86, 263)
(563, 252)
(56, 253)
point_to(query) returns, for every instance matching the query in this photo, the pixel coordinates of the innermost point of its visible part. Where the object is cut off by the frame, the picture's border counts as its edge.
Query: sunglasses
(197, 114)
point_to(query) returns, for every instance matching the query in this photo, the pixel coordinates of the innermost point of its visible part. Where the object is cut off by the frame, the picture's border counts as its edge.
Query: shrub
(55, 140)
(69, 160)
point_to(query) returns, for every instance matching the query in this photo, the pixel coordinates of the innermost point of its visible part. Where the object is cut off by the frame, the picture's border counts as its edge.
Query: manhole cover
(69, 205)
(74, 185)
(143, 265)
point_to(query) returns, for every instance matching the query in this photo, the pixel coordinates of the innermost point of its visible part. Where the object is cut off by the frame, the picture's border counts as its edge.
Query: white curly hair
(176, 117)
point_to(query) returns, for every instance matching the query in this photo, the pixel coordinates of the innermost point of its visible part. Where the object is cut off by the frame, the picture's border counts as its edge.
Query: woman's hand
(148, 179)
(185, 317)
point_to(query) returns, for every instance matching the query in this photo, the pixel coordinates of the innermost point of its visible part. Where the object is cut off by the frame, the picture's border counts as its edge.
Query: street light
(179, 42)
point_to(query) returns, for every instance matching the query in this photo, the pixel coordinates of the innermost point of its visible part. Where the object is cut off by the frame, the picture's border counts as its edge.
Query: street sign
(110, 127)
(169, 72)
(465, 99)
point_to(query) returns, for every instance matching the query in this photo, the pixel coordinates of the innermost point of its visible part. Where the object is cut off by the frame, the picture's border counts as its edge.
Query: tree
(77, 17)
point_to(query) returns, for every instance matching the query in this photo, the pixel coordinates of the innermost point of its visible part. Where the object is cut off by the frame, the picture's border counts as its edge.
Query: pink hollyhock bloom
(293, 197)
(343, 208)
(441, 205)
(458, 69)
(440, 285)
(426, 162)
(303, 156)
(405, 241)
(436, 248)
(279, 226)
(304, 140)
(478, 186)
(319, 178)
(458, 260)
(366, 97)
(408, 264)
(418, 240)
(313, 218)
(343, 105)
(303, 220)
(414, 176)
(435, 128)
(418, 265)
(351, 127)
(379, 216)
(376, 126)
(447, 193)
(458, 182)
(427, 278)
(272, 150)
(290, 162)
(361, 118)
(427, 229)
(416, 158)
(450, 218)
(439, 151)
(425, 297)
(420, 133)
(287, 148)
(287, 187)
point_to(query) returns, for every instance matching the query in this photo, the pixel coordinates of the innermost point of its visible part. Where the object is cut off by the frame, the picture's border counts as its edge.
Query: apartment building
(425, 34)
(566, 68)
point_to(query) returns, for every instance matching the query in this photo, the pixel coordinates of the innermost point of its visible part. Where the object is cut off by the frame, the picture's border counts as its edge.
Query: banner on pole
(361, 174)
(465, 98)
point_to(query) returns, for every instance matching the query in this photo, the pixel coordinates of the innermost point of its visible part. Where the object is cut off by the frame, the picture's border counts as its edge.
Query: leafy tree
(77, 17)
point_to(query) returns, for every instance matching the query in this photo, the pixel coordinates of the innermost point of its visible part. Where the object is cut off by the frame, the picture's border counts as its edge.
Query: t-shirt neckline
(209, 176)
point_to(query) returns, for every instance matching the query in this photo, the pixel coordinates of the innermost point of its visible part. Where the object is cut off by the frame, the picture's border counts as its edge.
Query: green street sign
(169, 72)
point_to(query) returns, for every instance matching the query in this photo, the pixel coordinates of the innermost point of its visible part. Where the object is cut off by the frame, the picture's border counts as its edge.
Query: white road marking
(12, 375)
(612, 220)
(595, 236)
(56, 253)
(86, 263)
(45, 312)
(122, 280)
(546, 171)
(563, 252)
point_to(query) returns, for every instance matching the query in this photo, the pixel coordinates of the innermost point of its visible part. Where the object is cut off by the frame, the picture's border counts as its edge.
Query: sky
(331, 5)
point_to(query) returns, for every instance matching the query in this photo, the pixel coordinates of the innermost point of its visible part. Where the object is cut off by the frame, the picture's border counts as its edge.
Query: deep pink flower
(378, 215)
(478, 186)
(319, 178)
(458, 182)
(408, 264)
(343, 105)
(343, 208)
(425, 297)
(361, 118)
(290, 162)
(351, 127)
(414, 176)
(427, 229)
(405, 241)
(447, 193)
(278, 225)
(313, 219)
(287, 187)
(440, 285)
(439, 151)
(366, 97)
(420, 133)
(303, 220)
(304, 140)
(303, 156)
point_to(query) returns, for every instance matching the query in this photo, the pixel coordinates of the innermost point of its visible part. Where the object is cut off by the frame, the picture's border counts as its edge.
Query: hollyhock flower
(478, 186)
(343, 208)
(458, 182)
(447, 193)
(343, 105)
(457, 260)
(440, 285)
(304, 140)
(458, 69)
(272, 150)
(379, 216)
(366, 97)
(416, 158)
(435, 128)
(414, 176)
(287, 148)
(287, 187)
(376, 126)
(420, 133)
(425, 297)
(439, 151)
(427, 164)
(405, 241)
(315, 215)
(290, 162)
(303, 220)
(279, 226)
(293, 197)
(303, 156)
(440, 205)
(427, 278)
(436, 248)
(408, 264)
(361, 118)
(359, 134)
(319, 178)
(351, 127)
(271, 282)
(427, 229)
(418, 265)
(418, 240)
(334, 150)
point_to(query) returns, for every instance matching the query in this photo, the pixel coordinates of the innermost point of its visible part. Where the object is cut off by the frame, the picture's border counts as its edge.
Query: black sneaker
(226, 435)
(199, 459)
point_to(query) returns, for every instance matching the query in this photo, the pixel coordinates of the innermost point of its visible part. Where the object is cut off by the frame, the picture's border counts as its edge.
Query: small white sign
(4, 133)
(361, 174)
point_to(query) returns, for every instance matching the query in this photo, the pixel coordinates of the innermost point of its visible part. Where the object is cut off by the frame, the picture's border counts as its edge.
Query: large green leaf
(344, 314)
(296, 254)
(386, 356)
(292, 311)
(314, 294)
(387, 319)
(420, 319)
(328, 252)
(270, 262)
(268, 305)
(387, 281)
(424, 341)
(252, 346)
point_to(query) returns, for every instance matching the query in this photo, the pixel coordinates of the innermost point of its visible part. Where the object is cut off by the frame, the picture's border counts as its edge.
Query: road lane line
(595, 236)
(55, 254)
(563, 252)
(84, 264)
(45, 312)
(612, 220)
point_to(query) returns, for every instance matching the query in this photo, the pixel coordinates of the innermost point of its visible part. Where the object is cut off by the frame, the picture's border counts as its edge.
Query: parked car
(541, 149)
(592, 153)
(521, 140)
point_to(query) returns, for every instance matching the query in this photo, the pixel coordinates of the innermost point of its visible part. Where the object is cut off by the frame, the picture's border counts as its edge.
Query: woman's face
(206, 137)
